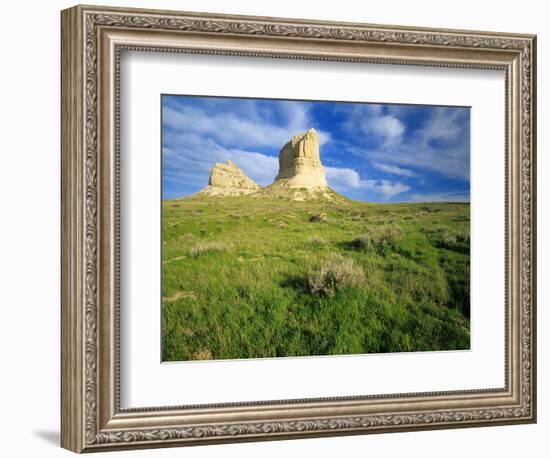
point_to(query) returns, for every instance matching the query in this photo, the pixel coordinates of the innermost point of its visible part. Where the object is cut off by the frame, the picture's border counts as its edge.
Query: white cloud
(324, 137)
(371, 120)
(223, 127)
(189, 158)
(393, 169)
(458, 196)
(343, 179)
(385, 187)
(440, 145)
(295, 114)
(241, 129)
(443, 125)
(387, 127)
(452, 162)
(261, 168)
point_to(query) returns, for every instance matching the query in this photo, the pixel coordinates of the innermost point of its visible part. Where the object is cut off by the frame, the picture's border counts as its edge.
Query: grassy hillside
(247, 277)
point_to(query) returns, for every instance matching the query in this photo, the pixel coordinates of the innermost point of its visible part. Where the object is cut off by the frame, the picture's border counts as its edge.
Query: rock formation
(301, 175)
(300, 164)
(228, 180)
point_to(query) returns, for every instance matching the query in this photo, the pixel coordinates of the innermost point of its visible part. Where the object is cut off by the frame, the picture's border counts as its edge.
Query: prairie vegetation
(247, 277)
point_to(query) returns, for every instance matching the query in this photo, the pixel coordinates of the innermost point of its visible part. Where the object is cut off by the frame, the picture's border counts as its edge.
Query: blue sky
(371, 152)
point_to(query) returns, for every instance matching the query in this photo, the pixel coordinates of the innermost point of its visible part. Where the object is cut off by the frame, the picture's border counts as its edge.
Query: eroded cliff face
(300, 164)
(229, 180)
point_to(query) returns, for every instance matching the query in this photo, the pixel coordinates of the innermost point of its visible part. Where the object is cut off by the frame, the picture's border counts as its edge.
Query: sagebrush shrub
(378, 237)
(318, 218)
(316, 240)
(208, 247)
(187, 237)
(453, 239)
(335, 274)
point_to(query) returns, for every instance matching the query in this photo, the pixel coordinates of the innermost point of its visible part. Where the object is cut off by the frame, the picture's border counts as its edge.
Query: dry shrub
(334, 275)
(202, 354)
(463, 237)
(208, 247)
(379, 237)
(451, 238)
(187, 237)
(318, 218)
(448, 239)
(316, 240)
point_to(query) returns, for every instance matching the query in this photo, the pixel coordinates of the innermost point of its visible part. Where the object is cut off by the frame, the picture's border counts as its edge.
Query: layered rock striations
(300, 163)
(228, 180)
(301, 174)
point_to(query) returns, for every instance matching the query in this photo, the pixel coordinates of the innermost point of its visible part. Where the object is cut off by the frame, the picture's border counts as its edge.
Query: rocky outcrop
(228, 180)
(301, 175)
(300, 164)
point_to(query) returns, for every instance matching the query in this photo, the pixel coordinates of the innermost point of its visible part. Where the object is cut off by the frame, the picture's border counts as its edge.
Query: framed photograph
(280, 228)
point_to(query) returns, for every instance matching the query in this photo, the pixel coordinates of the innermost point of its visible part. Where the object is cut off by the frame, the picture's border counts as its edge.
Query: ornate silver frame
(92, 39)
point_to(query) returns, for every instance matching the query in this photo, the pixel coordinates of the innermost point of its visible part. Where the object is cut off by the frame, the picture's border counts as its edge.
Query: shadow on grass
(296, 282)
(457, 247)
(350, 245)
(357, 245)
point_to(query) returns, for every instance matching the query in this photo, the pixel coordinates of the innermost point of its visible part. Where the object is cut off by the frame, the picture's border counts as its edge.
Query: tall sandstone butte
(228, 180)
(300, 163)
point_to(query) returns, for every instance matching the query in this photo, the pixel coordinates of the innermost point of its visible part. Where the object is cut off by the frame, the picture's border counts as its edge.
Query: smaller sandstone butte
(228, 180)
(300, 164)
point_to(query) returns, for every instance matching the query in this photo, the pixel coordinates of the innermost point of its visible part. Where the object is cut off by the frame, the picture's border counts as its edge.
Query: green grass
(247, 277)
